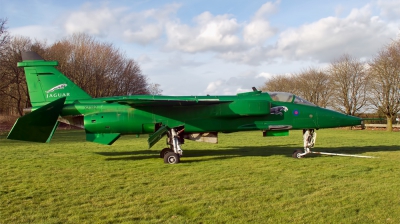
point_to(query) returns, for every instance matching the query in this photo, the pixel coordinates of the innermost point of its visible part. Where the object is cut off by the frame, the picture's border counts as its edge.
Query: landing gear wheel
(297, 154)
(171, 158)
(165, 151)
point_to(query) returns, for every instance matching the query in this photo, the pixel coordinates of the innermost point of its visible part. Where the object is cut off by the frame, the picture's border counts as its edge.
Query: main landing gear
(172, 155)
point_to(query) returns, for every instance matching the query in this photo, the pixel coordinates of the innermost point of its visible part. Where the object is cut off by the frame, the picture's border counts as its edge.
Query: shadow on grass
(69, 136)
(133, 155)
(232, 152)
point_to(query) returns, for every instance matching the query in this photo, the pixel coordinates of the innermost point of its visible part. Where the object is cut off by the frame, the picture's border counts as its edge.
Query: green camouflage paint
(106, 119)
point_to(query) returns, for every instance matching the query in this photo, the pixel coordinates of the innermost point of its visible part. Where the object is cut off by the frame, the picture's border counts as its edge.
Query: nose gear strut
(309, 137)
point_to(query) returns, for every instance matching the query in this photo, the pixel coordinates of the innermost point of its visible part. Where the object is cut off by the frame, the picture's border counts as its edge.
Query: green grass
(244, 179)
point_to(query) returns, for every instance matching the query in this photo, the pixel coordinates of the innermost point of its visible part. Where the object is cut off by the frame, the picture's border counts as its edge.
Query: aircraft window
(300, 100)
(281, 96)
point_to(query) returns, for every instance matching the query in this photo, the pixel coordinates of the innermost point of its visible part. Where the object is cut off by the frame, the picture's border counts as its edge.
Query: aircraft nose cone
(335, 119)
(350, 121)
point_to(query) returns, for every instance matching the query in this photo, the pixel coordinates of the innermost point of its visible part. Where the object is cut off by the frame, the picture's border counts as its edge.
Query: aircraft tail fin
(46, 83)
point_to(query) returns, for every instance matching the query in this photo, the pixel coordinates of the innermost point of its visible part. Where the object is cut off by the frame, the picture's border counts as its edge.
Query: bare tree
(13, 83)
(313, 85)
(4, 35)
(349, 84)
(4, 38)
(98, 68)
(385, 82)
(155, 89)
(280, 83)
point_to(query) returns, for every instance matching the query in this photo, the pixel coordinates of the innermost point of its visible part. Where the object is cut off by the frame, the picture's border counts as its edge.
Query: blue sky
(215, 47)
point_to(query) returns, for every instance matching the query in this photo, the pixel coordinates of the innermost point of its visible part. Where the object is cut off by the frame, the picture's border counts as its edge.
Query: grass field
(244, 179)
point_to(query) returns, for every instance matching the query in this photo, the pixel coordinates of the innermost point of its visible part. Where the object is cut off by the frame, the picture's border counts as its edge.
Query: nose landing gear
(309, 137)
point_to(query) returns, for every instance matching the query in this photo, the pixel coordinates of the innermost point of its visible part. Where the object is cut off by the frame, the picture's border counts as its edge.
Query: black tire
(171, 158)
(296, 154)
(165, 151)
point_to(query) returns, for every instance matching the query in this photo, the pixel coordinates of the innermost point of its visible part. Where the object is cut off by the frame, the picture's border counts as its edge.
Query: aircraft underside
(173, 153)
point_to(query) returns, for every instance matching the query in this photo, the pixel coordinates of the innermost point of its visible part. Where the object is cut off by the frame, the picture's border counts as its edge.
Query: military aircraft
(55, 98)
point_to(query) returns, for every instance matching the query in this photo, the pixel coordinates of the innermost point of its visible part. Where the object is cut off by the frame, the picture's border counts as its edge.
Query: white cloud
(251, 56)
(178, 61)
(259, 28)
(359, 34)
(93, 21)
(389, 9)
(225, 36)
(143, 59)
(144, 34)
(142, 27)
(236, 84)
(339, 9)
(147, 26)
(265, 75)
(211, 33)
(48, 33)
(267, 9)
(221, 34)
(257, 31)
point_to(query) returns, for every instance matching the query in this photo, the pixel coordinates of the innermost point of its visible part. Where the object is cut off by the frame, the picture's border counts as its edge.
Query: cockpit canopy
(289, 98)
(300, 100)
(281, 96)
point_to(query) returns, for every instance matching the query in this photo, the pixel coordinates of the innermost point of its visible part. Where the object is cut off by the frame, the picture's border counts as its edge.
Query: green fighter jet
(56, 99)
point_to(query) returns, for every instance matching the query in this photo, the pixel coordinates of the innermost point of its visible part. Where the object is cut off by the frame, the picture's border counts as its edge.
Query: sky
(219, 47)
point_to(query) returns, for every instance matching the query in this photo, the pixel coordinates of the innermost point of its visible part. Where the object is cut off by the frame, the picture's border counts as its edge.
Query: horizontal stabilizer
(102, 138)
(39, 125)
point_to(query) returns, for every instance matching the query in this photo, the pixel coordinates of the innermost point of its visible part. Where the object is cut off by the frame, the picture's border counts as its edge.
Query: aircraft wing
(134, 102)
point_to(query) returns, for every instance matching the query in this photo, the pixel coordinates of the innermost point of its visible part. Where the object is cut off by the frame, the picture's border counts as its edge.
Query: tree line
(97, 67)
(350, 85)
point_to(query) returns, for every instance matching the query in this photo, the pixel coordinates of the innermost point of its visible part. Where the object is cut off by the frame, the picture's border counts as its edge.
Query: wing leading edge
(138, 101)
